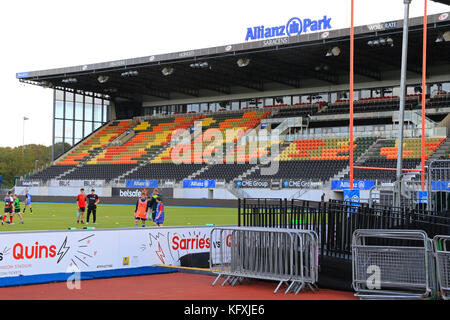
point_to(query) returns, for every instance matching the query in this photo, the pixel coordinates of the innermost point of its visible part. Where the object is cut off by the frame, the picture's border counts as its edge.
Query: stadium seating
(385, 156)
(98, 141)
(105, 172)
(378, 104)
(51, 172)
(150, 136)
(231, 127)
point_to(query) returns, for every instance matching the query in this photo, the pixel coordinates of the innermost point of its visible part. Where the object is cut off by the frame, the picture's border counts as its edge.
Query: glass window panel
(244, 104)
(387, 92)
(295, 99)
(268, 101)
(364, 94)
(97, 101)
(287, 100)
(59, 109)
(88, 112)
(69, 96)
(68, 142)
(88, 99)
(97, 112)
(69, 110)
(78, 98)
(87, 128)
(76, 141)
(60, 95)
(68, 128)
(446, 87)
(204, 106)
(78, 111)
(260, 103)
(78, 129)
(97, 125)
(305, 99)
(376, 93)
(105, 113)
(235, 105)
(333, 97)
(58, 128)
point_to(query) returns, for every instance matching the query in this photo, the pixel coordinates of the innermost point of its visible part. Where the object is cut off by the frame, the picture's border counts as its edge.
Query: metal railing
(335, 221)
(286, 256)
(442, 254)
(393, 264)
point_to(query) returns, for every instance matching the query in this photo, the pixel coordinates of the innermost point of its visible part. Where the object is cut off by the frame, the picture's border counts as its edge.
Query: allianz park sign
(295, 26)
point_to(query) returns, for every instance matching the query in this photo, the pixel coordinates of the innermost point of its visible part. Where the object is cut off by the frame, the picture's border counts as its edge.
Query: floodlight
(243, 62)
(336, 51)
(102, 79)
(167, 71)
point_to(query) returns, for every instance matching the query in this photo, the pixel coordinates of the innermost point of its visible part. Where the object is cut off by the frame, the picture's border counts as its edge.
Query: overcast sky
(47, 34)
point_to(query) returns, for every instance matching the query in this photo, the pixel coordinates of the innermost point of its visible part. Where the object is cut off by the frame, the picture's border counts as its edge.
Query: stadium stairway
(357, 161)
(95, 143)
(385, 155)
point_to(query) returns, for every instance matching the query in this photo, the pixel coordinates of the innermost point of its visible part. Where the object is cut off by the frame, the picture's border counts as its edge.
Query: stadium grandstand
(117, 119)
(266, 127)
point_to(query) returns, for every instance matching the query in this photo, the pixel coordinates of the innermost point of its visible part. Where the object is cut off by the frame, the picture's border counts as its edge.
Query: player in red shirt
(81, 202)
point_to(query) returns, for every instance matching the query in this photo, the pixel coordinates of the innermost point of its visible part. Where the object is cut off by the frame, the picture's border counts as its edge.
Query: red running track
(172, 286)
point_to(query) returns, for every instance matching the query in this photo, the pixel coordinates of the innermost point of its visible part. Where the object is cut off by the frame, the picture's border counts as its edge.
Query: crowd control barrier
(393, 264)
(284, 255)
(442, 249)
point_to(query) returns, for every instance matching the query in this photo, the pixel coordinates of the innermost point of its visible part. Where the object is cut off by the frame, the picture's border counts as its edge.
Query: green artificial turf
(61, 216)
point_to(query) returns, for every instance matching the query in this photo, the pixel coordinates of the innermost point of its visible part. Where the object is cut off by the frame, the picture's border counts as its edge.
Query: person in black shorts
(92, 201)
(153, 202)
(8, 207)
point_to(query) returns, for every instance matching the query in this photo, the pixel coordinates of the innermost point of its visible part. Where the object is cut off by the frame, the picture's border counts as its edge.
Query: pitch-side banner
(33, 253)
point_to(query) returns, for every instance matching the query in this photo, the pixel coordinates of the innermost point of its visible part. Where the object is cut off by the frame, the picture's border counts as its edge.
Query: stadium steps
(238, 193)
(246, 173)
(61, 176)
(373, 148)
(256, 167)
(440, 153)
(197, 173)
(341, 174)
(122, 176)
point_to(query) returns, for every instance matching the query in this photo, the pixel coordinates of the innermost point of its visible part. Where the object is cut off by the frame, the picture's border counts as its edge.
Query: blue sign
(199, 183)
(295, 26)
(357, 184)
(422, 196)
(21, 75)
(142, 184)
(440, 185)
(352, 196)
(1, 180)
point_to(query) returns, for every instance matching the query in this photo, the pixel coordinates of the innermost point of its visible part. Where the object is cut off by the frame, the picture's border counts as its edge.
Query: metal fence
(442, 249)
(393, 264)
(286, 256)
(439, 185)
(335, 221)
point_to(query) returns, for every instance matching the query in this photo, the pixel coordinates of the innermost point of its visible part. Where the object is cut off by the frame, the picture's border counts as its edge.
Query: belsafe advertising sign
(34, 253)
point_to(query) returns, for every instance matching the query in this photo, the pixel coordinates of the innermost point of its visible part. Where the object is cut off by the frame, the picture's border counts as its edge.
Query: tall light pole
(402, 100)
(23, 133)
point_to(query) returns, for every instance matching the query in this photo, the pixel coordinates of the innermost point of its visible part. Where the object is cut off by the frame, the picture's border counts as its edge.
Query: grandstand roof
(279, 63)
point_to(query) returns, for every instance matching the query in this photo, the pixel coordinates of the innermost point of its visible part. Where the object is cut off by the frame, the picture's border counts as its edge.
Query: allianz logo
(295, 26)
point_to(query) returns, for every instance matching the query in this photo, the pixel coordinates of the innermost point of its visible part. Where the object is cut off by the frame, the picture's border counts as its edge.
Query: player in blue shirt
(27, 202)
(159, 219)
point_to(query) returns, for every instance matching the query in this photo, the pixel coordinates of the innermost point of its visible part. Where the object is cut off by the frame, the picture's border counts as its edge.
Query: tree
(19, 161)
